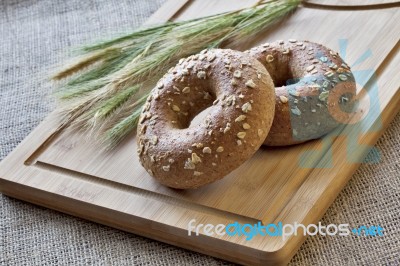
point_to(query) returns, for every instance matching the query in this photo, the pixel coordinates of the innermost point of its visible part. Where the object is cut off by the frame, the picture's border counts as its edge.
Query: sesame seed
(323, 59)
(313, 110)
(292, 40)
(166, 168)
(238, 142)
(246, 126)
(197, 173)
(233, 82)
(186, 90)
(286, 51)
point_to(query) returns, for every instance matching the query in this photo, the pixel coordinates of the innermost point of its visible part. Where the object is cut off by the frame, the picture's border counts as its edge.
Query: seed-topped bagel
(240, 95)
(314, 88)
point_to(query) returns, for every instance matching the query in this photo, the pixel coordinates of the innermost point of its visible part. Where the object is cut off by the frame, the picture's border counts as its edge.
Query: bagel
(241, 99)
(315, 90)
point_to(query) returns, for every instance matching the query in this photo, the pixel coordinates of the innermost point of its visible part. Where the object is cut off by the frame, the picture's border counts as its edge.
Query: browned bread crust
(241, 99)
(315, 90)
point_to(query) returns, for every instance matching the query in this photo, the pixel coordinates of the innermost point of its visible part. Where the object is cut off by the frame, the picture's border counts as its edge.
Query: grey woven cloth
(34, 36)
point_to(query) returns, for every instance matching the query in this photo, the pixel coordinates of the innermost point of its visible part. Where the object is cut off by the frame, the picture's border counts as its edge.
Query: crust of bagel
(240, 97)
(315, 90)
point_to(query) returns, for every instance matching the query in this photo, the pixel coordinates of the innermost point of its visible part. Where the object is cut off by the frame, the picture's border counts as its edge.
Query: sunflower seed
(240, 118)
(195, 158)
(246, 126)
(206, 150)
(296, 111)
(269, 58)
(283, 99)
(246, 107)
(189, 164)
(237, 74)
(201, 75)
(241, 135)
(220, 149)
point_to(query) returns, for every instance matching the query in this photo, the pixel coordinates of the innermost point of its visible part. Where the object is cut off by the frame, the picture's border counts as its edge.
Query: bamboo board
(62, 170)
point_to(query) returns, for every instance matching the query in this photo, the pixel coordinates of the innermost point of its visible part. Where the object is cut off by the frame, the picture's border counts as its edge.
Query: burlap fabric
(33, 37)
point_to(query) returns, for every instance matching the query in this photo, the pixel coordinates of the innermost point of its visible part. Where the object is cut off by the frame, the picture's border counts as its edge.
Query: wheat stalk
(106, 88)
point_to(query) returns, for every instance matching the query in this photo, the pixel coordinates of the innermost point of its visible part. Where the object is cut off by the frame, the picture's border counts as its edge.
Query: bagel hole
(286, 80)
(199, 111)
(199, 118)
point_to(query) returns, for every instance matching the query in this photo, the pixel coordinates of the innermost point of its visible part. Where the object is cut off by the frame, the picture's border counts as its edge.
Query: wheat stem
(111, 74)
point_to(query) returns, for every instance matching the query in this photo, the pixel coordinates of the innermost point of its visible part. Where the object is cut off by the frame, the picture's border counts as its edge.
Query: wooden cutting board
(63, 170)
